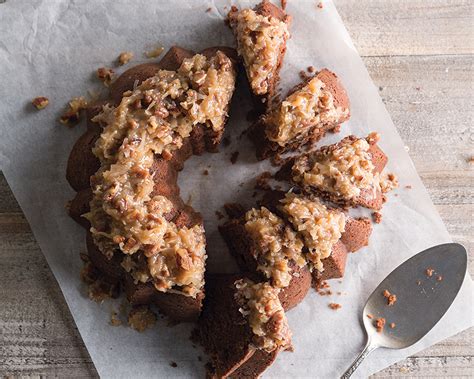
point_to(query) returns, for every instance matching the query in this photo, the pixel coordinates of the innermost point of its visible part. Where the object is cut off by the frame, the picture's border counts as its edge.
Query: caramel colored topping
(260, 40)
(277, 245)
(308, 109)
(318, 226)
(154, 119)
(261, 307)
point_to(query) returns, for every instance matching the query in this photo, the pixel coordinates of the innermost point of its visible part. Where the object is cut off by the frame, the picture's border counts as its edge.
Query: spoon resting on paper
(412, 299)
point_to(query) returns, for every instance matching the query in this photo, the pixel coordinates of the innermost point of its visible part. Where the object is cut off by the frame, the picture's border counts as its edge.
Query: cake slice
(292, 240)
(317, 105)
(261, 34)
(242, 327)
(348, 172)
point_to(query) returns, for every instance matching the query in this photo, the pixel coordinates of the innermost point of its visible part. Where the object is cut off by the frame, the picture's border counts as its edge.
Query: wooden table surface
(420, 54)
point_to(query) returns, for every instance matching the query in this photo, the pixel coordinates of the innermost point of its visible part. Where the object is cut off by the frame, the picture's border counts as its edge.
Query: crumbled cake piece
(418, 282)
(392, 325)
(439, 278)
(408, 186)
(309, 108)
(173, 364)
(105, 75)
(219, 215)
(283, 4)
(208, 10)
(205, 172)
(141, 318)
(311, 69)
(277, 245)
(234, 157)
(260, 305)
(370, 316)
(379, 324)
(377, 217)
(159, 114)
(155, 53)
(335, 306)
(114, 320)
(261, 181)
(40, 102)
(124, 58)
(429, 272)
(320, 5)
(74, 110)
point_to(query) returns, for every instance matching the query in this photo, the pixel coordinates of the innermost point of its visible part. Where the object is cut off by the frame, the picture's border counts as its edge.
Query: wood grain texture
(419, 53)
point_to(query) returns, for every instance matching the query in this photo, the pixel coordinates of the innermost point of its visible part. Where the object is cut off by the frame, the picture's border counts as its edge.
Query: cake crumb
(370, 316)
(254, 194)
(155, 53)
(324, 292)
(336, 129)
(320, 5)
(324, 284)
(261, 181)
(439, 278)
(408, 186)
(124, 58)
(40, 102)
(114, 320)
(418, 282)
(105, 75)
(392, 325)
(379, 324)
(377, 217)
(470, 160)
(429, 272)
(208, 10)
(234, 210)
(391, 298)
(173, 364)
(226, 141)
(335, 306)
(219, 215)
(205, 172)
(311, 69)
(277, 160)
(141, 318)
(303, 75)
(72, 115)
(404, 370)
(234, 157)
(283, 4)
(199, 358)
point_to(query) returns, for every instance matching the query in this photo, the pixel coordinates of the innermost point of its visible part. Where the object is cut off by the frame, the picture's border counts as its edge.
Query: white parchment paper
(52, 48)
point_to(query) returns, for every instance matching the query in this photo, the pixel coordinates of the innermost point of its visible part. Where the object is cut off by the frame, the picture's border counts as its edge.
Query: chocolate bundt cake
(242, 327)
(125, 168)
(349, 173)
(261, 34)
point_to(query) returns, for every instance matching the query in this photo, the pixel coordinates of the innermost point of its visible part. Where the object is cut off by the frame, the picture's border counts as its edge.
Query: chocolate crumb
(303, 75)
(377, 217)
(408, 186)
(226, 141)
(234, 157)
(320, 5)
(205, 172)
(429, 272)
(40, 102)
(417, 88)
(370, 316)
(219, 215)
(439, 278)
(311, 69)
(336, 129)
(173, 364)
(324, 284)
(234, 210)
(379, 324)
(261, 181)
(392, 325)
(335, 306)
(470, 160)
(199, 358)
(208, 10)
(254, 194)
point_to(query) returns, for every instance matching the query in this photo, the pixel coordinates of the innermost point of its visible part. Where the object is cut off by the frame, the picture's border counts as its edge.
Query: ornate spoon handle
(369, 347)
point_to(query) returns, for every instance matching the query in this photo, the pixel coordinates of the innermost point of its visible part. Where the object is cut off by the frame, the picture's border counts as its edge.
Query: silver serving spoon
(423, 297)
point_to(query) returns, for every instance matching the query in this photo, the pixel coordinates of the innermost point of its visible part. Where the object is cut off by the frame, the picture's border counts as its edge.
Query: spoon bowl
(424, 287)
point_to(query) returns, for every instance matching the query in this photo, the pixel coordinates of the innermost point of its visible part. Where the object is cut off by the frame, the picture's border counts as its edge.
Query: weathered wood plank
(409, 27)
